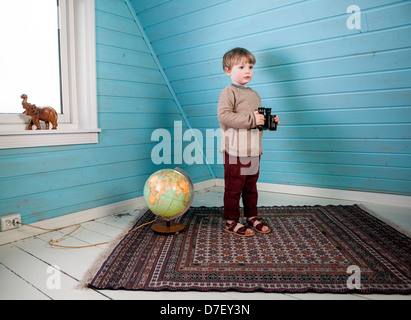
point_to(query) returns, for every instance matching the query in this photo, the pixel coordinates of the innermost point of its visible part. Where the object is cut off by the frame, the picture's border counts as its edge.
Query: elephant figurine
(46, 114)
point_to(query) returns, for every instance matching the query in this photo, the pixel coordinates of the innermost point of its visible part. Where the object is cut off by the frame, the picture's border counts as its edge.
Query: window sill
(43, 138)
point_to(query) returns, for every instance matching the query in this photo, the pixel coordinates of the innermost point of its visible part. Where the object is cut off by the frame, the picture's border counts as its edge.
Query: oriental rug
(338, 249)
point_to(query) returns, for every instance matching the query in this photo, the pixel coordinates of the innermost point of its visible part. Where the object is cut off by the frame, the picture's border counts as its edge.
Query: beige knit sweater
(235, 110)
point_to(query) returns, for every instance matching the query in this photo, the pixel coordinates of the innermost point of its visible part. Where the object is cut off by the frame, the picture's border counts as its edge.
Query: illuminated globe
(169, 193)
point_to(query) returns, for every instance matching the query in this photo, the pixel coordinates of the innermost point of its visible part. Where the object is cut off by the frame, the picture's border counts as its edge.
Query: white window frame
(78, 124)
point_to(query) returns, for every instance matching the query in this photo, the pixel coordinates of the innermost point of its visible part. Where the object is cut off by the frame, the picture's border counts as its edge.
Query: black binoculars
(269, 122)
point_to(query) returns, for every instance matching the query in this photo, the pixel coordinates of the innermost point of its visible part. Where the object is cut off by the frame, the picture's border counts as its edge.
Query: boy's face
(241, 73)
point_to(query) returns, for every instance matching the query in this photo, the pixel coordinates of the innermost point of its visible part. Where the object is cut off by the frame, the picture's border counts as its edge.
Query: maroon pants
(240, 175)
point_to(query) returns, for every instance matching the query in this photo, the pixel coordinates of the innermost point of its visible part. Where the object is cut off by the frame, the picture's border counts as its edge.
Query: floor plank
(51, 282)
(14, 287)
(70, 261)
(27, 267)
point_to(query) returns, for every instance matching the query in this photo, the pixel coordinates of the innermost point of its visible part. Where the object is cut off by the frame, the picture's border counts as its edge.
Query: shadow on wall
(287, 155)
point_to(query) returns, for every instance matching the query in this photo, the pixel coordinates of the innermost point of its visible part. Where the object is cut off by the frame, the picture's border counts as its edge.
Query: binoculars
(269, 122)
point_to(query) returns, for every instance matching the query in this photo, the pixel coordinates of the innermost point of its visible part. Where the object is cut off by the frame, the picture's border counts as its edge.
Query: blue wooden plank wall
(133, 100)
(343, 94)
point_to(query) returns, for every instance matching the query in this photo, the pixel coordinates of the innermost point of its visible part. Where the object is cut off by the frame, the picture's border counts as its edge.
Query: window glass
(29, 54)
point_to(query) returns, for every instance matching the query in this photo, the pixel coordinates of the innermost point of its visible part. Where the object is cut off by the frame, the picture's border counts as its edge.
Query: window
(29, 58)
(76, 88)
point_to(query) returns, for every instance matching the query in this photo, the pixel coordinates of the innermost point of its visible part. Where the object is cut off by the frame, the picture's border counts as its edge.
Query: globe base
(167, 228)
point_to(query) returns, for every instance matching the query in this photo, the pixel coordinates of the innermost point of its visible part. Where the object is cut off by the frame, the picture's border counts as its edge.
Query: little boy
(241, 143)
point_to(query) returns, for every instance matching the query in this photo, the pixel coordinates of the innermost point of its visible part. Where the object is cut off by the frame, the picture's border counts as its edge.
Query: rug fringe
(92, 270)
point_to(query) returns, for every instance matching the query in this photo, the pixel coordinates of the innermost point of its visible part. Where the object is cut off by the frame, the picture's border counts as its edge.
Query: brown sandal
(257, 225)
(241, 231)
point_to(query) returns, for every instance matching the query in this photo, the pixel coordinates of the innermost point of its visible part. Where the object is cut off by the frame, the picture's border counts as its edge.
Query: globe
(168, 193)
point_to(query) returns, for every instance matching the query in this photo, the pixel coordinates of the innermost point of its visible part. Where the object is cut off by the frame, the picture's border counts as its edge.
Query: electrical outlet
(10, 221)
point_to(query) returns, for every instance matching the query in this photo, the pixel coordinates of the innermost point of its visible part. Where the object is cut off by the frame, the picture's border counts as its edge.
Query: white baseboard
(25, 232)
(355, 196)
(100, 212)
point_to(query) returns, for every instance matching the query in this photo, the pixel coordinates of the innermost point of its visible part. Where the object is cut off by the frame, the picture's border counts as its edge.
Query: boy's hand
(276, 120)
(259, 118)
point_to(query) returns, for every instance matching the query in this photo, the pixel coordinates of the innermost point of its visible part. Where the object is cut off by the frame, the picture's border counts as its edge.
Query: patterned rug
(340, 249)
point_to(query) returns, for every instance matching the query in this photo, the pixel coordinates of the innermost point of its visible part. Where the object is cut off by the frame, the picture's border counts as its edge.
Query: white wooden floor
(26, 266)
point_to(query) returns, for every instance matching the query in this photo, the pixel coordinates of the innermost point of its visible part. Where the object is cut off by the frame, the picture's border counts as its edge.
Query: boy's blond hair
(234, 56)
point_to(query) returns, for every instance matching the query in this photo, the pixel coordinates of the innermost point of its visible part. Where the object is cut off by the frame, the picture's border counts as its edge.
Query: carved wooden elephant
(46, 114)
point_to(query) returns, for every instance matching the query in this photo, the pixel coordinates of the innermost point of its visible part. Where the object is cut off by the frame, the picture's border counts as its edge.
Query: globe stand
(167, 228)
